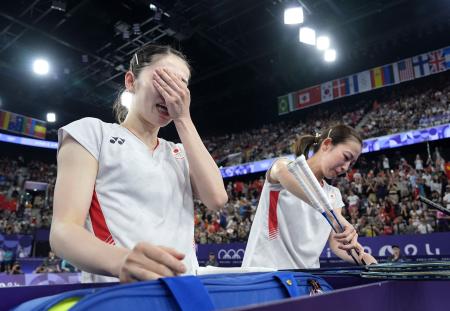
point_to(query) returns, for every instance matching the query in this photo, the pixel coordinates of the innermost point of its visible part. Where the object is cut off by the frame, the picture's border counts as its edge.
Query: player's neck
(314, 165)
(146, 132)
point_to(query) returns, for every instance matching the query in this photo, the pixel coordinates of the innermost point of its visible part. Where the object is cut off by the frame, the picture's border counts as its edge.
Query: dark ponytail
(311, 143)
(119, 110)
(144, 57)
(303, 145)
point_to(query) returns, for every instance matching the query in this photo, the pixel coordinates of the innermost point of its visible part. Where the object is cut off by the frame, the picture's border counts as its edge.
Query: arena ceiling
(242, 54)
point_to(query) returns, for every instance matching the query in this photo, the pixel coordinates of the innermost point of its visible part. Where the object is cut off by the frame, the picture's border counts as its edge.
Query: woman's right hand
(148, 262)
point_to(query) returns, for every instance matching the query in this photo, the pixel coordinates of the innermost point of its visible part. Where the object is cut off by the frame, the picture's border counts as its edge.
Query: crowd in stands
(233, 222)
(24, 210)
(382, 197)
(409, 112)
(274, 140)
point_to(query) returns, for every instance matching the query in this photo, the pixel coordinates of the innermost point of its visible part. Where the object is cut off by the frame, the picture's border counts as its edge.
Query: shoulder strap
(189, 293)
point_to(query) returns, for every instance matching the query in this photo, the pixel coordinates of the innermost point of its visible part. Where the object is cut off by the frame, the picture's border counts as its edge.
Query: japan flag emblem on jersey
(177, 153)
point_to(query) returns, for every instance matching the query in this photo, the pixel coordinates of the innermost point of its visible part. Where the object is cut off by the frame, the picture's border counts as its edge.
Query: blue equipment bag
(208, 292)
(62, 300)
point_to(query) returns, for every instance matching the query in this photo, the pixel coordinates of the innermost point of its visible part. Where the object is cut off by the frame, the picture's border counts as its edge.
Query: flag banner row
(16, 123)
(404, 70)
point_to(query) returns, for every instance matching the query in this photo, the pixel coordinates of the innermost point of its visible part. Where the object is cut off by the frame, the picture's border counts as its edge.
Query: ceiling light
(322, 43)
(307, 35)
(41, 67)
(51, 117)
(293, 16)
(330, 55)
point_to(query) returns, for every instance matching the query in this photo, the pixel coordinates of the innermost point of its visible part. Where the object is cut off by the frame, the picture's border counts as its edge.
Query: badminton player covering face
(123, 203)
(287, 233)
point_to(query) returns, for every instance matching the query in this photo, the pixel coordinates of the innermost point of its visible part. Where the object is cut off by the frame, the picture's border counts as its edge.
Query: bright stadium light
(322, 43)
(51, 117)
(307, 35)
(293, 16)
(41, 67)
(330, 55)
(125, 99)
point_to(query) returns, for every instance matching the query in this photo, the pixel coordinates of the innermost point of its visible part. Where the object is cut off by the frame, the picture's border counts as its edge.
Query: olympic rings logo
(231, 254)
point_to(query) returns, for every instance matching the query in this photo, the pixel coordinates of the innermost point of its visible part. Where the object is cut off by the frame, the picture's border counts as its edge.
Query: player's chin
(164, 120)
(163, 124)
(331, 174)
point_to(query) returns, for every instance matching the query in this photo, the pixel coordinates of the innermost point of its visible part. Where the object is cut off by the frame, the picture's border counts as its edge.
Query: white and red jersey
(287, 233)
(139, 195)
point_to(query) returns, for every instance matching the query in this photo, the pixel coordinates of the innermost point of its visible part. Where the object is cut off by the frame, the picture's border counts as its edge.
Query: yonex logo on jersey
(119, 140)
(177, 153)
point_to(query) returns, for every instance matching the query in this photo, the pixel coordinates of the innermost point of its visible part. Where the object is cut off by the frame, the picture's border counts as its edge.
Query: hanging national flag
(376, 77)
(403, 70)
(308, 97)
(341, 87)
(364, 82)
(29, 126)
(436, 61)
(39, 131)
(4, 119)
(285, 104)
(353, 84)
(447, 57)
(388, 75)
(327, 91)
(420, 64)
(17, 123)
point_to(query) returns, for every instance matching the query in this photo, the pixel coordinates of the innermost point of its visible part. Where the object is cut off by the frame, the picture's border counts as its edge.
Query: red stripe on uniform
(273, 219)
(98, 221)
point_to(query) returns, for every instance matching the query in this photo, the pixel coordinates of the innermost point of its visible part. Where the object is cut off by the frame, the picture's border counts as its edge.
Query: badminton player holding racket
(287, 232)
(123, 205)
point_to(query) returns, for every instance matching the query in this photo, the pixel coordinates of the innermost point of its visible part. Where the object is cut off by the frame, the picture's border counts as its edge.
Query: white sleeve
(274, 186)
(88, 132)
(338, 203)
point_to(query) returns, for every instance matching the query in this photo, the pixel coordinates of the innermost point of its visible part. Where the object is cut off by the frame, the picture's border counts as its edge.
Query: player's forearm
(204, 170)
(82, 249)
(288, 181)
